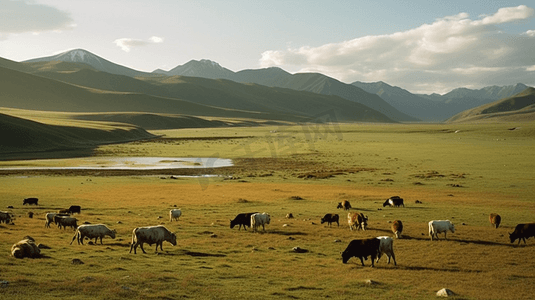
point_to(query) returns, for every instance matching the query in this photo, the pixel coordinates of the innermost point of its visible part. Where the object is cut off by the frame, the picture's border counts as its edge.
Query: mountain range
(83, 68)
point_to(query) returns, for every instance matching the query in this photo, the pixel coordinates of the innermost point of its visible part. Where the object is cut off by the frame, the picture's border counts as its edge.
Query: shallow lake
(118, 163)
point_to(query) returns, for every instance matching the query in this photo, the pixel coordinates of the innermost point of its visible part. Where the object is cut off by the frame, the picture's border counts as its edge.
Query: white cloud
(126, 43)
(452, 51)
(26, 16)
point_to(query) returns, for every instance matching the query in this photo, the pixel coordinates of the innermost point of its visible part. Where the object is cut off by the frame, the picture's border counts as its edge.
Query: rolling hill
(22, 137)
(520, 107)
(179, 95)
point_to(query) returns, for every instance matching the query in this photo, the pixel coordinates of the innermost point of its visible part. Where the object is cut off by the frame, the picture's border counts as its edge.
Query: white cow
(151, 235)
(25, 248)
(440, 226)
(174, 214)
(92, 231)
(386, 247)
(259, 219)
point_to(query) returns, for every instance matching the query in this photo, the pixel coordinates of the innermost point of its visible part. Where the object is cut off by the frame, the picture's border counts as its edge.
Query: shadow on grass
(462, 241)
(289, 233)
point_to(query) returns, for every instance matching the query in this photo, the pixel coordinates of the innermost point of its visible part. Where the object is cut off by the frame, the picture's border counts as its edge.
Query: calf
(92, 231)
(441, 226)
(357, 220)
(344, 204)
(397, 228)
(386, 246)
(242, 219)
(30, 201)
(394, 201)
(495, 220)
(362, 249)
(330, 218)
(522, 232)
(174, 214)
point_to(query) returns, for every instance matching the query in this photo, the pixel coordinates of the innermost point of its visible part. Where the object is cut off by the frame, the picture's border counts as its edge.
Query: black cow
(522, 232)
(344, 204)
(330, 218)
(362, 249)
(75, 209)
(30, 201)
(395, 201)
(242, 219)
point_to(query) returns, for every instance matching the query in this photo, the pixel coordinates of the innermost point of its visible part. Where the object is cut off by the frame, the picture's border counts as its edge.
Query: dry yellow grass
(213, 261)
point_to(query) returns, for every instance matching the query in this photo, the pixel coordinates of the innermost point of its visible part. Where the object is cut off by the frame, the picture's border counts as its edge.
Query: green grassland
(460, 172)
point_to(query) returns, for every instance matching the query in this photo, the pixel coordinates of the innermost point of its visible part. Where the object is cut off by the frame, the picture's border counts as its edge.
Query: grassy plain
(460, 172)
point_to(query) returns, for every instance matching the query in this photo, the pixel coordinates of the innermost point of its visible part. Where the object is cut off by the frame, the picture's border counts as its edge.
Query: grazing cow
(386, 246)
(92, 231)
(397, 228)
(65, 222)
(5, 217)
(30, 201)
(330, 218)
(174, 214)
(75, 209)
(522, 232)
(440, 226)
(344, 204)
(64, 211)
(50, 218)
(25, 248)
(394, 201)
(358, 220)
(151, 235)
(362, 249)
(259, 219)
(242, 219)
(495, 220)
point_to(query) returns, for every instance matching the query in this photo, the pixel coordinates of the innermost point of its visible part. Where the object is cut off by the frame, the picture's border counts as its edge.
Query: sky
(422, 46)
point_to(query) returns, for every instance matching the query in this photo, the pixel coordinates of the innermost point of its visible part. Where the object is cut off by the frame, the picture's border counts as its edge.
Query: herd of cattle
(360, 248)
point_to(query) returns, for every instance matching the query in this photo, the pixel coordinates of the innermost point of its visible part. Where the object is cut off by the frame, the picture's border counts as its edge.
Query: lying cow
(495, 220)
(522, 232)
(30, 201)
(25, 248)
(151, 235)
(65, 222)
(92, 231)
(344, 204)
(362, 249)
(440, 226)
(331, 218)
(394, 201)
(260, 219)
(243, 219)
(357, 220)
(397, 228)
(174, 214)
(386, 246)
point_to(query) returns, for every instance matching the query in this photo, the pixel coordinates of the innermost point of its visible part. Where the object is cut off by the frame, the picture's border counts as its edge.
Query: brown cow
(495, 220)
(358, 220)
(522, 232)
(344, 204)
(397, 228)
